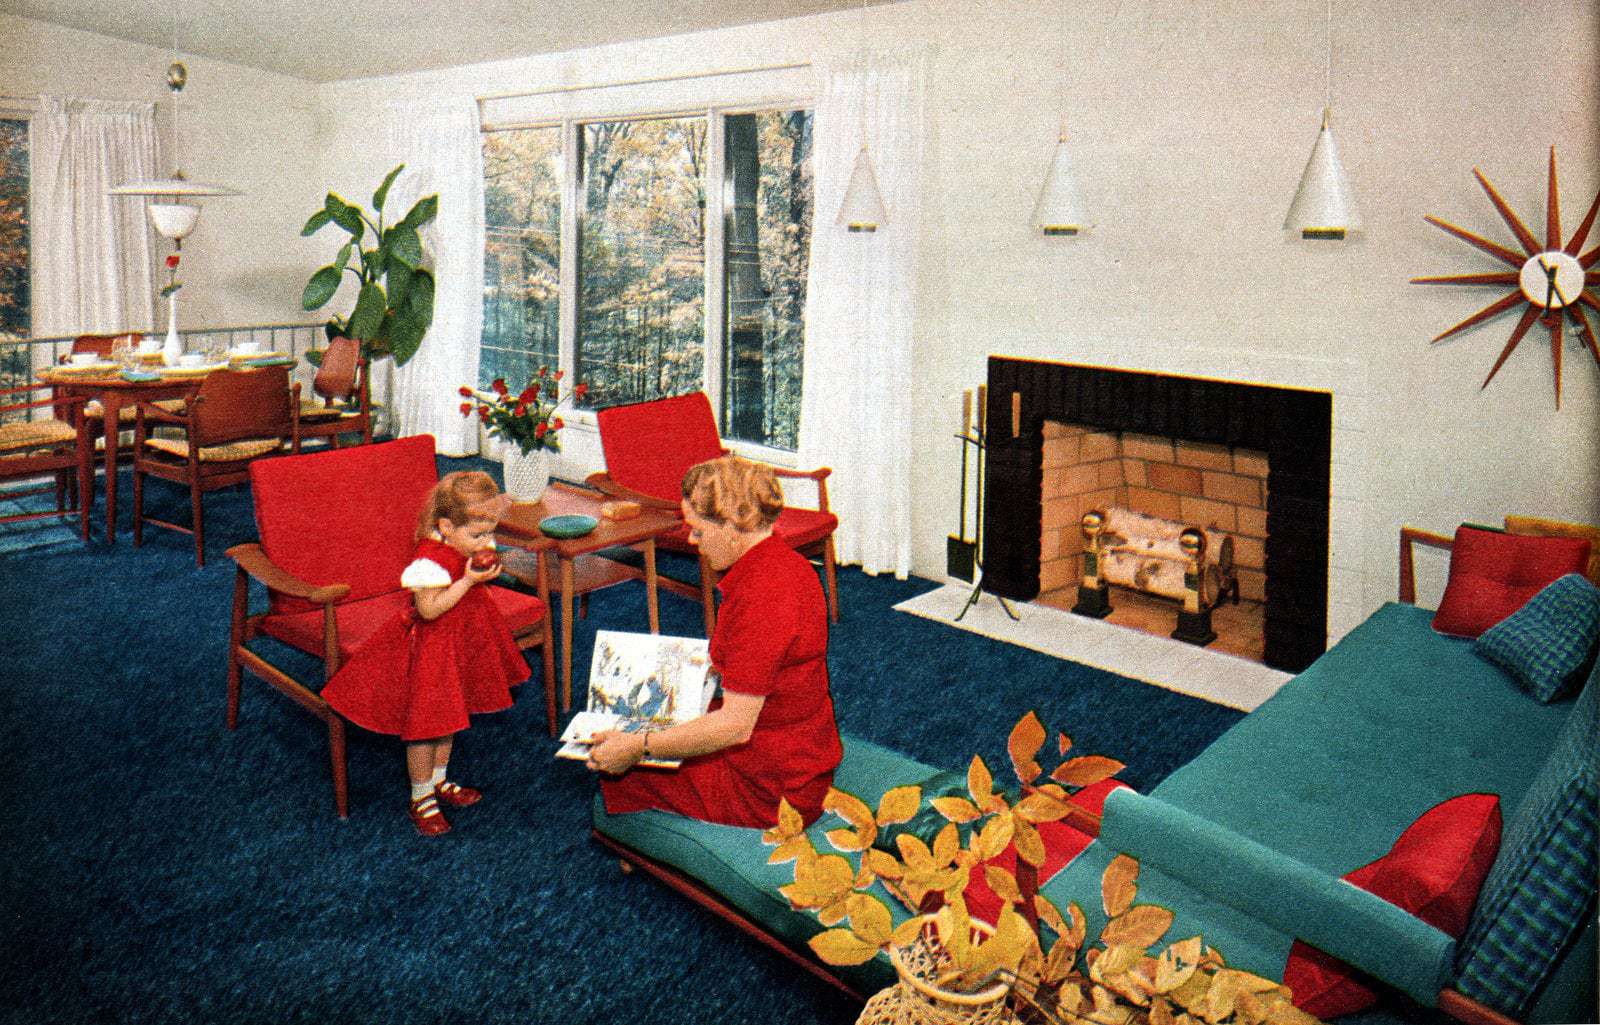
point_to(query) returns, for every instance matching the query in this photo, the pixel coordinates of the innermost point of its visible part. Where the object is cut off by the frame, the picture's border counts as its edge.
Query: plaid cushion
(1541, 890)
(1546, 645)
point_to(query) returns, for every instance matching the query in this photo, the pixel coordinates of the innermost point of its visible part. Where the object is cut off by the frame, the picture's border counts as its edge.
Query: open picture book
(641, 681)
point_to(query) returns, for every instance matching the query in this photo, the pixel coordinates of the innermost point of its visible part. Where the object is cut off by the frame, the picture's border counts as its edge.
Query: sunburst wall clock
(1553, 280)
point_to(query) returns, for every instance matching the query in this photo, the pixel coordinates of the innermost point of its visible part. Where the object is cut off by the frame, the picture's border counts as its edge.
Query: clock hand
(1554, 291)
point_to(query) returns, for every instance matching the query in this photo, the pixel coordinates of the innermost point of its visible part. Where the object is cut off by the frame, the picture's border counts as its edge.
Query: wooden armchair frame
(49, 455)
(343, 376)
(1410, 537)
(252, 562)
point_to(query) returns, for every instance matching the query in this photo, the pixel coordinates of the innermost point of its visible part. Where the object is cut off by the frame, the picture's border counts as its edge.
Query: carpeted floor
(161, 869)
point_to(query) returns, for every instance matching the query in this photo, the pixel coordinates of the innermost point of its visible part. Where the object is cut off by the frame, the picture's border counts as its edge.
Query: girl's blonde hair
(734, 491)
(460, 497)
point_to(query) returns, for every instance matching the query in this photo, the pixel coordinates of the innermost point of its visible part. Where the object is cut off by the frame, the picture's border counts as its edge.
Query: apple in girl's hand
(484, 558)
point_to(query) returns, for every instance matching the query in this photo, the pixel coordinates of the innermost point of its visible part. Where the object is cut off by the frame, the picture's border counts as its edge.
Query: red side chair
(346, 393)
(57, 446)
(337, 529)
(231, 419)
(649, 446)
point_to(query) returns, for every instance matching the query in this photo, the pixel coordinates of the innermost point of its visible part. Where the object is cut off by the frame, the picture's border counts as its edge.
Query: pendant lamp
(1324, 207)
(862, 209)
(1060, 210)
(169, 215)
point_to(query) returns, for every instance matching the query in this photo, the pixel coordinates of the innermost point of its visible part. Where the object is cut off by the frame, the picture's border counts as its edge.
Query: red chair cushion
(343, 516)
(357, 619)
(801, 527)
(650, 445)
(1493, 575)
(1434, 871)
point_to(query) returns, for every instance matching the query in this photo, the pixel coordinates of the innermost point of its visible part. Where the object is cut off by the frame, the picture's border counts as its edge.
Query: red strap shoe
(428, 818)
(456, 795)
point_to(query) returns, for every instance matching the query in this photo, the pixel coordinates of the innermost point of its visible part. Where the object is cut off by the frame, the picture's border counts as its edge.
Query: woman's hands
(615, 752)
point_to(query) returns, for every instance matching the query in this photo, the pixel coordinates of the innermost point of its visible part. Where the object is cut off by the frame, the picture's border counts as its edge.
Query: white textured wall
(1191, 123)
(245, 262)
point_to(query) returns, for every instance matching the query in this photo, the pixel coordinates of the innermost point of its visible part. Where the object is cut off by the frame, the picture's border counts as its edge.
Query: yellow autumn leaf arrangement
(1119, 979)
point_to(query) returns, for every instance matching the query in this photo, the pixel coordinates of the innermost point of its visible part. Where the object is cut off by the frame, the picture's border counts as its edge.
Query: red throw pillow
(1493, 574)
(1434, 871)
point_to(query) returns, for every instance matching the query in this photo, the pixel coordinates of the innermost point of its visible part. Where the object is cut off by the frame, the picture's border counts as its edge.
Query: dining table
(115, 387)
(580, 569)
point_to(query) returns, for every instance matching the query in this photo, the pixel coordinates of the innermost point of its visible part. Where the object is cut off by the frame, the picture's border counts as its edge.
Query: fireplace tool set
(964, 556)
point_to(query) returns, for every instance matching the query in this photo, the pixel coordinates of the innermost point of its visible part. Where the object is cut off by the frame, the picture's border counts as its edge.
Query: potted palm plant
(394, 303)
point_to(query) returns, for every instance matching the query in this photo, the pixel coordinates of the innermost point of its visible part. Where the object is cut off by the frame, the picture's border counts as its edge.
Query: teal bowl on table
(573, 525)
(140, 375)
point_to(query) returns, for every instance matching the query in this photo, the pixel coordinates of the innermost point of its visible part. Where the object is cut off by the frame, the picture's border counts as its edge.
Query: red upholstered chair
(650, 445)
(337, 529)
(341, 383)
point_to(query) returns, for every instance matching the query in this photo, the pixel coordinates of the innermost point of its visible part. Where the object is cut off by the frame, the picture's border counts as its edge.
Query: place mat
(191, 371)
(70, 370)
(140, 375)
(251, 357)
(265, 361)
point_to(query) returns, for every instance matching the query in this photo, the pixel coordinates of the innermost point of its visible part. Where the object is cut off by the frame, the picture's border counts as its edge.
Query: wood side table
(579, 570)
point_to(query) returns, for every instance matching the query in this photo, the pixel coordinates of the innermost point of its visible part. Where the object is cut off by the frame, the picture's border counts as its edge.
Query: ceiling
(321, 41)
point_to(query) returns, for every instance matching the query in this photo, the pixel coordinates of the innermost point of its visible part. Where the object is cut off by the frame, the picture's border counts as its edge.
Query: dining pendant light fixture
(1324, 207)
(172, 217)
(862, 209)
(1060, 210)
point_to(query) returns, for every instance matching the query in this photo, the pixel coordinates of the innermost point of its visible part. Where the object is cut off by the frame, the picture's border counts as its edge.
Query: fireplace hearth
(1290, 427)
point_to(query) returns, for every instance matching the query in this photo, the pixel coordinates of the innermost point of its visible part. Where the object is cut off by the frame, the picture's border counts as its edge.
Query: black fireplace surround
(1293, 426)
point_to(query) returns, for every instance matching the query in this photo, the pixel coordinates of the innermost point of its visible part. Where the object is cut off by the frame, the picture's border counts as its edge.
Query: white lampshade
(177, 185)
(862, 209)
(173, 220)
(1060, 210)
(1323, 207)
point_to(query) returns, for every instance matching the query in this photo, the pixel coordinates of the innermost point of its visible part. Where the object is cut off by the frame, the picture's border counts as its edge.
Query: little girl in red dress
(447, 655)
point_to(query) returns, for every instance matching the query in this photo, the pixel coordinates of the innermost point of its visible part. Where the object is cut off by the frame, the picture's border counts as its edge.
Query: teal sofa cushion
(1547, 644)
(1541, 891)
(731, 861)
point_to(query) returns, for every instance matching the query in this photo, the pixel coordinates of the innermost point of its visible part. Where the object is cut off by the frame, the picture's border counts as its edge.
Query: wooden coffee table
(579, 571)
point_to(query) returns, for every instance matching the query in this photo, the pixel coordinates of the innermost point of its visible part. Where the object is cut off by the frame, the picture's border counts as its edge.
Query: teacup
(150, 347)
(192, 359)
(247, 348)
(83, 359)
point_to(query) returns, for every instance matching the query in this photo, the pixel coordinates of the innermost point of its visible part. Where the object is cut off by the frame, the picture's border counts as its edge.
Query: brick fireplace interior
(1218, 486)
(1254, 459)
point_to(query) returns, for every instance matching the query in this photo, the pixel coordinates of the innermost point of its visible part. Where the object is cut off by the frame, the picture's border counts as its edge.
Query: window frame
(717, 203)
(21, 109)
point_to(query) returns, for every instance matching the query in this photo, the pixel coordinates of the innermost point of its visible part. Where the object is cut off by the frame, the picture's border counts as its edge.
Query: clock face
(1555, 267)
(1552, 281)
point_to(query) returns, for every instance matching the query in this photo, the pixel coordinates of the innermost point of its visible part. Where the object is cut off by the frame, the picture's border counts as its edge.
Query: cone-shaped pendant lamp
(1323, 207)
(862, 209)
(1059, 210)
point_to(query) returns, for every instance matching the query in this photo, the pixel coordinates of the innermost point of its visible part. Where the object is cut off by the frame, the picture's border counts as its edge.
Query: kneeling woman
(774, 735)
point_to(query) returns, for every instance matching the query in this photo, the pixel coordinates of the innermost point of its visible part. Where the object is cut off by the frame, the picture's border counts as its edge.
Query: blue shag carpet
(159, 868)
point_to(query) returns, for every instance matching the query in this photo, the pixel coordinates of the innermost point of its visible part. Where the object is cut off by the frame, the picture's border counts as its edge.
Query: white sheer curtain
(442, 149)
(855, 408)
(91, 251)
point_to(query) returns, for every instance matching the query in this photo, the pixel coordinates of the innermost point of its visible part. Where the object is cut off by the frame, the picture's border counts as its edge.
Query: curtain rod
(642, 81)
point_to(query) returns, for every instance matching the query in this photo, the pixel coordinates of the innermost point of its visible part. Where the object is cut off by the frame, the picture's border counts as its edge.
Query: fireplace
(1286, 431)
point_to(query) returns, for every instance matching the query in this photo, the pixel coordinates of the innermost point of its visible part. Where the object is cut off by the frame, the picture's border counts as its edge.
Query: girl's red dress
(420, 679)
(771, 640)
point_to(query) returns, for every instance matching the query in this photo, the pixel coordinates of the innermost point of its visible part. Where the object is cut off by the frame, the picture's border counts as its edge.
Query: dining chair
(57, 446)
(337, 530)
(230, 419)
(649, 446)
(341, 383)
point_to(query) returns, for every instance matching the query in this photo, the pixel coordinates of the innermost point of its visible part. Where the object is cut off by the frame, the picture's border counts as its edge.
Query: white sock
(421, 790)
(438, 776)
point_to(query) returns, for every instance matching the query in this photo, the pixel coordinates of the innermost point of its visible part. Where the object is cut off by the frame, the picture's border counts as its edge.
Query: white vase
(174, 346)
(526, 474)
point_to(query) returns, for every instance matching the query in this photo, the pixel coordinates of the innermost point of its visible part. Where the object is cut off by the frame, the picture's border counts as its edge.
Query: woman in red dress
(447, 655)
(774, 735)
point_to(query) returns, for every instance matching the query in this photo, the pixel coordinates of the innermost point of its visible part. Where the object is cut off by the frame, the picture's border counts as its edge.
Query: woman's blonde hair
(734, 491)
(461, 497)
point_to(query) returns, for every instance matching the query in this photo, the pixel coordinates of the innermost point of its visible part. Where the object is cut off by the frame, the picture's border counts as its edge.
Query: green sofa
(1246, 842)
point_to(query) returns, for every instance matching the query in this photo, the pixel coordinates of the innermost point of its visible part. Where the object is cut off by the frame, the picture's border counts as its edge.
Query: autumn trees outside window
(670, 217)
(15, 306)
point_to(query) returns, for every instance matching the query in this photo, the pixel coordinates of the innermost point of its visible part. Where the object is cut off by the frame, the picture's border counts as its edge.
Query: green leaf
(314, 357)
(404, 245)
(425, 210)
(316, 222)
(367, 317)
(397, 283)
(383, 190)
(343, 257)
(320, 288)
(344, 215)
(419, 298)
(405, 337)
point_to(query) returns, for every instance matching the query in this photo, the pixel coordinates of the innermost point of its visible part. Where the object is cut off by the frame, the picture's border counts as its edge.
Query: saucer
(569, 526)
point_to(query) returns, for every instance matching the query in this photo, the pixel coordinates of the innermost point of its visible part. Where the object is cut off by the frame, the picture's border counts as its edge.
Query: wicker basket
(916, 1000)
